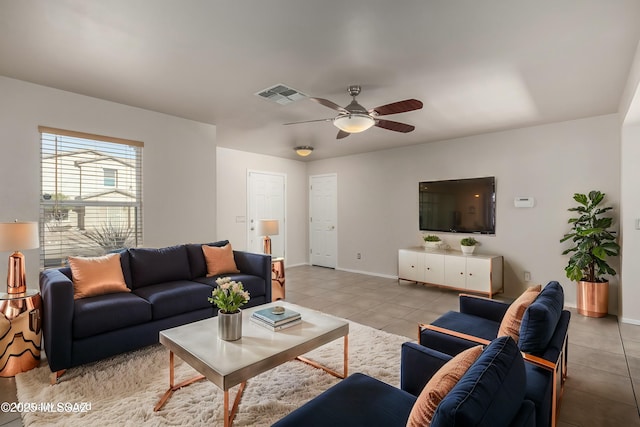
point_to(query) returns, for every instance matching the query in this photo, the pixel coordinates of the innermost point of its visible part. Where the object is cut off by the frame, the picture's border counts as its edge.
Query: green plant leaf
(574, 273)
(596, 197)
(567, 237)
(599, 252)
(580, 198)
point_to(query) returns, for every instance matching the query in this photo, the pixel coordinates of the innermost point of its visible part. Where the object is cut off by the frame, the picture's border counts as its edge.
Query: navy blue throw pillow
(541, 318)
(153, 266)
(490, 393)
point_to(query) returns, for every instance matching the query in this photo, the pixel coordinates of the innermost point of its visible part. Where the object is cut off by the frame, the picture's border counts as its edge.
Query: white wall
(232, 167)
(378, 195)
(629, 179)
(179, 161)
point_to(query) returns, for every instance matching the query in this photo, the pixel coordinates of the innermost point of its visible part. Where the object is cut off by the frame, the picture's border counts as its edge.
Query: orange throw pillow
(439, 385)
(512, 319)
(97, 276)
(219, 260)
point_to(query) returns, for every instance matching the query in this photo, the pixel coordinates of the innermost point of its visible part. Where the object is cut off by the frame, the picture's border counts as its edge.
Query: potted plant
(229, 296)
(468, 245)
(592, 242)
(431, 241)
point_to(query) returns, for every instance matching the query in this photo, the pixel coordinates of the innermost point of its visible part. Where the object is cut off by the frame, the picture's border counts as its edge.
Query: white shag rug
(124, 389)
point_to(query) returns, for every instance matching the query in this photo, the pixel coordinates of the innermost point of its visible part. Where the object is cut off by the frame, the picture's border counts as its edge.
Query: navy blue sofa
(490, 393)
(543, 340)
(169, 288)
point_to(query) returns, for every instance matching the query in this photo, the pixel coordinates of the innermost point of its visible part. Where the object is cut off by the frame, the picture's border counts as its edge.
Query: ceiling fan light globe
(354, 123)
(303, 151)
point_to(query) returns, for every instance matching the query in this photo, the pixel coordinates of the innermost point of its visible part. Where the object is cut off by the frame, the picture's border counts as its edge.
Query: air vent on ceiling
(281, 94)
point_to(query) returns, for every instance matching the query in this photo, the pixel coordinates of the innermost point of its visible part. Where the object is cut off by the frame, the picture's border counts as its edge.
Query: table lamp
(15, 236)
(266, 228)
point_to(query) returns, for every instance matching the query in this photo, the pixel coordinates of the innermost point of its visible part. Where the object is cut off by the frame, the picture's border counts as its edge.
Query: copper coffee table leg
(228, 417)
(329, 370)
(167, 394)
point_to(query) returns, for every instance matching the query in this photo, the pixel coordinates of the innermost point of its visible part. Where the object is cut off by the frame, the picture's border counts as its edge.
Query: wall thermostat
(523, 202)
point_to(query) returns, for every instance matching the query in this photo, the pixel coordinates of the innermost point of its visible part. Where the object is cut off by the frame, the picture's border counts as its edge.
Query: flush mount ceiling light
(303, 150)
(354, 123)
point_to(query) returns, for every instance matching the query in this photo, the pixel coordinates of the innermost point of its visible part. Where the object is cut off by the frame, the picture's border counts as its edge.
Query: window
(91, 195)
(110, 177)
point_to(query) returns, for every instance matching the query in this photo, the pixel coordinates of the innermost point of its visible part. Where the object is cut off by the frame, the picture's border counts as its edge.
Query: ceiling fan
(355, 118)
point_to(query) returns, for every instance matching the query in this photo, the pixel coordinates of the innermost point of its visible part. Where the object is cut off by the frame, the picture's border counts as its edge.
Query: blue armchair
(490, 393)
(543, 341)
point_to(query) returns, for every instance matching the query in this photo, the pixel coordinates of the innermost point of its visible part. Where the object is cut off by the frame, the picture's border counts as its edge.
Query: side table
(20, 332)
(277, 279)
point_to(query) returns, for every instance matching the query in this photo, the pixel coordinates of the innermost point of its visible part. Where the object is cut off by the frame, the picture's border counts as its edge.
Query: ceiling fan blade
(395, 126)
(397, 107)
(342, 134)
(329, 104)
(309, 121)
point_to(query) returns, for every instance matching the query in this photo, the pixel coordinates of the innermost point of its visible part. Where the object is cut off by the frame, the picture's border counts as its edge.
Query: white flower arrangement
(229, 295)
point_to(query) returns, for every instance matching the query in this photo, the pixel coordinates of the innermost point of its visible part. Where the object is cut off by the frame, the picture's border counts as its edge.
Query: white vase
(432, 245)
(230, 325)
(467, 250)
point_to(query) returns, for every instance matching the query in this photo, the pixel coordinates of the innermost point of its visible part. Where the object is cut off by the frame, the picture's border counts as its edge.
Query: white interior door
(266, 195)
(323, 219)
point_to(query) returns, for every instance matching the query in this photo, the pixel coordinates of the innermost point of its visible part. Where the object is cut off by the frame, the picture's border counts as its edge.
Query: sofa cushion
(253, 284)
(491, 391)
(460, 322)
(357, 401)
(439, 385)
(177, 297)
(104, 313)
(97, 275)
(153, 266)
(197, 264)
(219, 260)
(125, 262)
(468, 324)
(512, 319)
(540, 319)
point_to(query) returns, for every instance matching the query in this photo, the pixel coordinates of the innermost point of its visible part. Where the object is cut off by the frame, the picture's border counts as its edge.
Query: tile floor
(604, 356)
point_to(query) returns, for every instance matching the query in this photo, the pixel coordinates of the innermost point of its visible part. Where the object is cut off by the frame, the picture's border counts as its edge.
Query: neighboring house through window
(91, 195)
(110, 177)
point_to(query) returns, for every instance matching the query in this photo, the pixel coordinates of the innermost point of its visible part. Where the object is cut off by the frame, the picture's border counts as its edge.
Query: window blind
(91, 195)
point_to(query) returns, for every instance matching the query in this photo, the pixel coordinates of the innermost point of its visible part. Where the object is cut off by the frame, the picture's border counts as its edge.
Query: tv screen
(459, 205)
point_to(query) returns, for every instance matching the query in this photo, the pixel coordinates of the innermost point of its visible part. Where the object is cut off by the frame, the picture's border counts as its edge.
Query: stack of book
(276, 321)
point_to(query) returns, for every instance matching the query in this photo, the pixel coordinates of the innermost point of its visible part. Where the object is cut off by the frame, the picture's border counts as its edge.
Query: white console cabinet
(471, 273)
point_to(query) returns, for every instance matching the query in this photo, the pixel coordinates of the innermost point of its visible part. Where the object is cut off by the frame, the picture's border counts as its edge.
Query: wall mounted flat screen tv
(459, 205)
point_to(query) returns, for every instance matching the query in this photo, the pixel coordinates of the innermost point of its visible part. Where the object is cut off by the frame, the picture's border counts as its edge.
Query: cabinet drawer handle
(470, 274)
(461, 273)
(428, 268)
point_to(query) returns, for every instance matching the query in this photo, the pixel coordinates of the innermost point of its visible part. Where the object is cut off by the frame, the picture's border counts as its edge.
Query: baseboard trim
(296, 265)
(367, 273)
(630, 321)
(349, 270)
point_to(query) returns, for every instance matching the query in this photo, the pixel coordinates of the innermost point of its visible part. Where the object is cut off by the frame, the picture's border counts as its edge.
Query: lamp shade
(267, 227)
(16, 236)
(353, 123)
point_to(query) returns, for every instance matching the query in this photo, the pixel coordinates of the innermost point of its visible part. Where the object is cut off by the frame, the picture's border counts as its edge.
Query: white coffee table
(229, 363)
